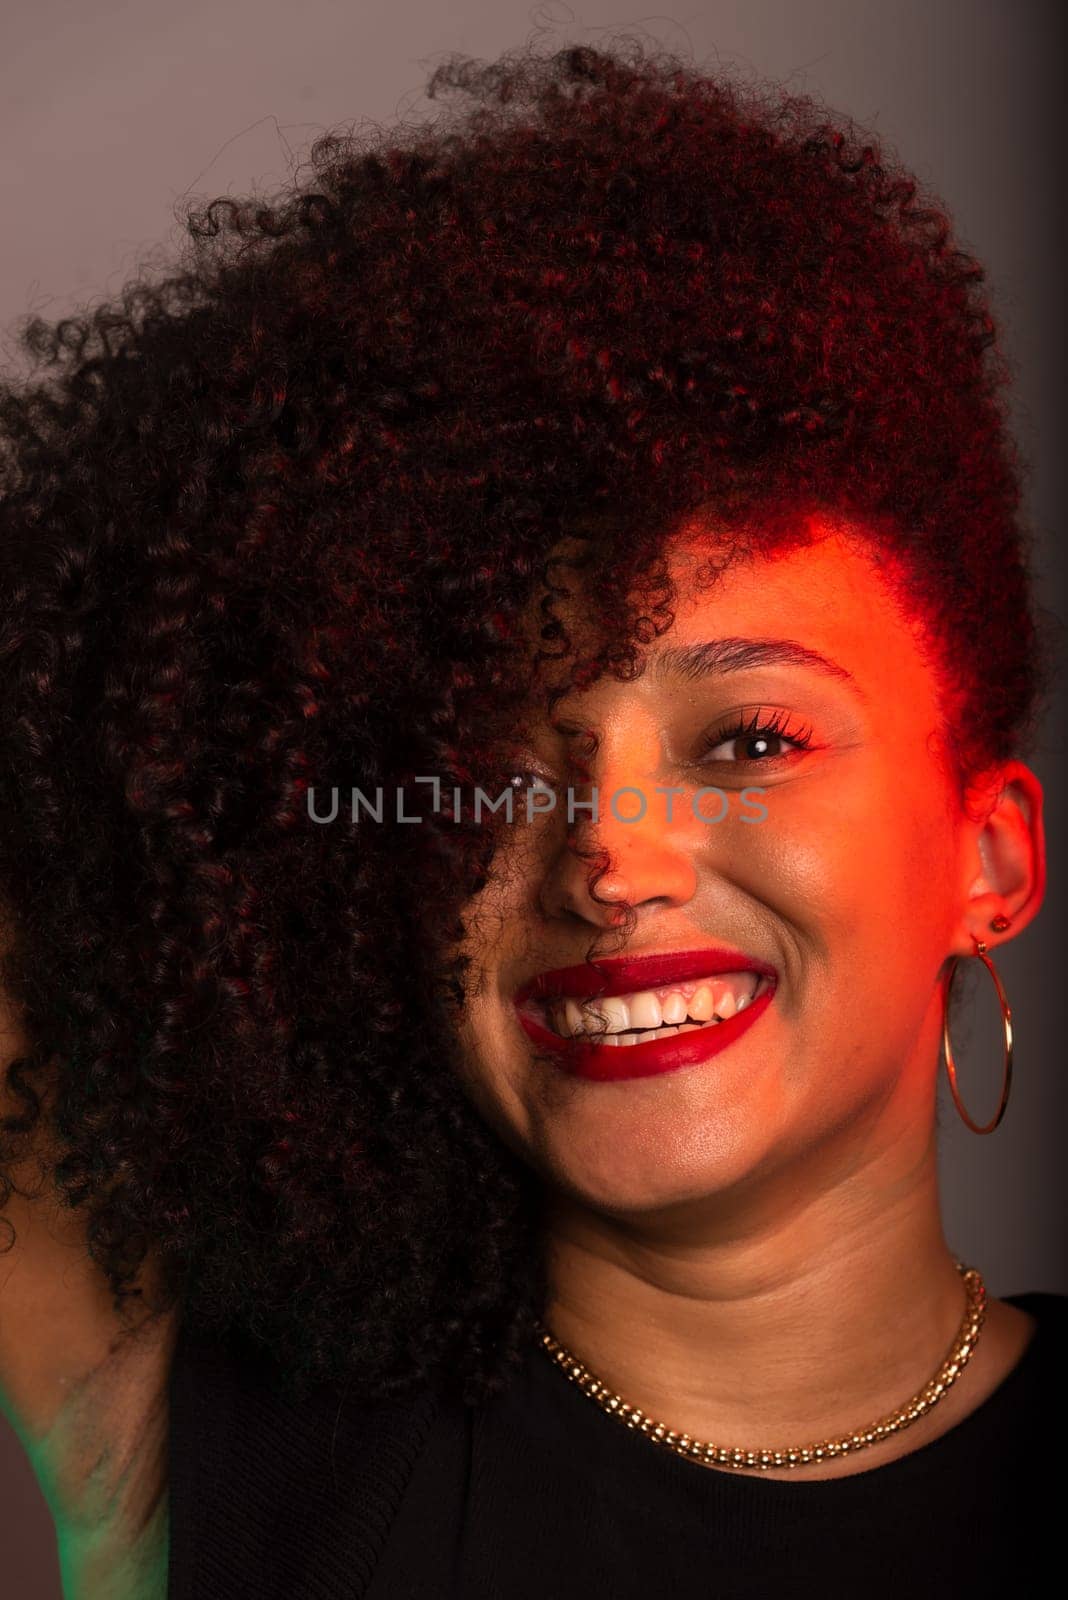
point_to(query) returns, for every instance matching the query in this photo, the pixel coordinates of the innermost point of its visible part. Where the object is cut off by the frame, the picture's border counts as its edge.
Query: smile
(602, 1021)
(630, 1019)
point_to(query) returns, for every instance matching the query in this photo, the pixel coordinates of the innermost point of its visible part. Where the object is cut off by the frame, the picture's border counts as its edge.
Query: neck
(772, 1320)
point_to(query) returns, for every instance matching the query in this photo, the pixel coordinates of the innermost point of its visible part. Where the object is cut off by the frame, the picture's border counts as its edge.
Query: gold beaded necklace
(724, 1455)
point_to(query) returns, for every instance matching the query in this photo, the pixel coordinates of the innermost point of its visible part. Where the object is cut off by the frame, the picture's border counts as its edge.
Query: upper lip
(611, 975)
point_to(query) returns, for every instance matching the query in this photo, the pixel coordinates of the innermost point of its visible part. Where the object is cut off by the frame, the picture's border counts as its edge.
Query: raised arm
(84, 1389)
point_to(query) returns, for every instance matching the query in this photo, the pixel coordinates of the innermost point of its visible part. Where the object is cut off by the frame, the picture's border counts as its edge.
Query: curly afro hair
(273, 522)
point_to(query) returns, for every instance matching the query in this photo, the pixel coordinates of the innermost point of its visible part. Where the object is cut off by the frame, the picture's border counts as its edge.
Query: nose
(647, 862)
(649, 879)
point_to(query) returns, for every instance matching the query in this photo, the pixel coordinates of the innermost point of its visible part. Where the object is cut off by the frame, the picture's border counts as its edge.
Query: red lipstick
(624, 975)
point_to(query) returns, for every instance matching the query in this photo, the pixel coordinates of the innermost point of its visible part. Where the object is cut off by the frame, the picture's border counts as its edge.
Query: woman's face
(862, 876)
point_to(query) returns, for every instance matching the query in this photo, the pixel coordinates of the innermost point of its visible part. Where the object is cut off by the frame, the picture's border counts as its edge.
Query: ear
(1004, 858)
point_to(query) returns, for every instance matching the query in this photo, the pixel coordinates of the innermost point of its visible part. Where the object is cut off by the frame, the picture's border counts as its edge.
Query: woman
(630, 452)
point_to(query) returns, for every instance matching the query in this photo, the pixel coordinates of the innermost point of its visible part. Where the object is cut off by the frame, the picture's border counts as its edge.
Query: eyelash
(755, 727)
(758, 725)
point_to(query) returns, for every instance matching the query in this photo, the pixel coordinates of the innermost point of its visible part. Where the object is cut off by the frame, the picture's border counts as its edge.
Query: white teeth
(701, 1006)
(654, 1014)
(674, 1008)
(726, 1004)
(617, 1012)
(645, 1011)
(573, 1016)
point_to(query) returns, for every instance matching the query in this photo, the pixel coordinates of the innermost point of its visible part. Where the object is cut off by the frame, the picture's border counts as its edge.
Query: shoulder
(309, 1482)
(1049, 1309)
(233, 1401)
(1041, 1363)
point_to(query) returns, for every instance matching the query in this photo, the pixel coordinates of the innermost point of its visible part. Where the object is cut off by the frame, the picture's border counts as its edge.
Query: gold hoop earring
(999, 924)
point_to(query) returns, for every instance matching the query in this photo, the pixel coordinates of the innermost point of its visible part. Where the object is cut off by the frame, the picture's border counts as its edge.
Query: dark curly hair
(272, 523)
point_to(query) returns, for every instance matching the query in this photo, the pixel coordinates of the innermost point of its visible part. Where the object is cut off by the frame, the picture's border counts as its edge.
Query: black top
(540, 1495)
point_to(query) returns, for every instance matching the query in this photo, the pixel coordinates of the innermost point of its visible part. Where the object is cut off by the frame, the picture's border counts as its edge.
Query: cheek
(897, 848)
(858, 869)
(481, 1050)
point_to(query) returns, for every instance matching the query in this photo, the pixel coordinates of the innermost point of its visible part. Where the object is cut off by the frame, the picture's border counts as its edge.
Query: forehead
(829, 584)
(824, 607)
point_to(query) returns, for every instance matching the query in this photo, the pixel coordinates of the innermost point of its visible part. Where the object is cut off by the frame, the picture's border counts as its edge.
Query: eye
(523, 778)
(759, 734)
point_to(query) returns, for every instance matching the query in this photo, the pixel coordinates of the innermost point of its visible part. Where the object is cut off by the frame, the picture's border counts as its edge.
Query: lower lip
(606, 1063)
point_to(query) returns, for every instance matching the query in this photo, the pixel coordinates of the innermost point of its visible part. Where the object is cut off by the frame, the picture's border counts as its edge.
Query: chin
(608, 1173)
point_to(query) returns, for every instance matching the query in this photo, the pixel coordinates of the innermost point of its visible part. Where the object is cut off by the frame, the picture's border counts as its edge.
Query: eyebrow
(718, 657)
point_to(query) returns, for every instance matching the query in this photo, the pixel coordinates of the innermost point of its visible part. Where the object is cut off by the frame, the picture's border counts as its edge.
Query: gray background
(115, 114)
